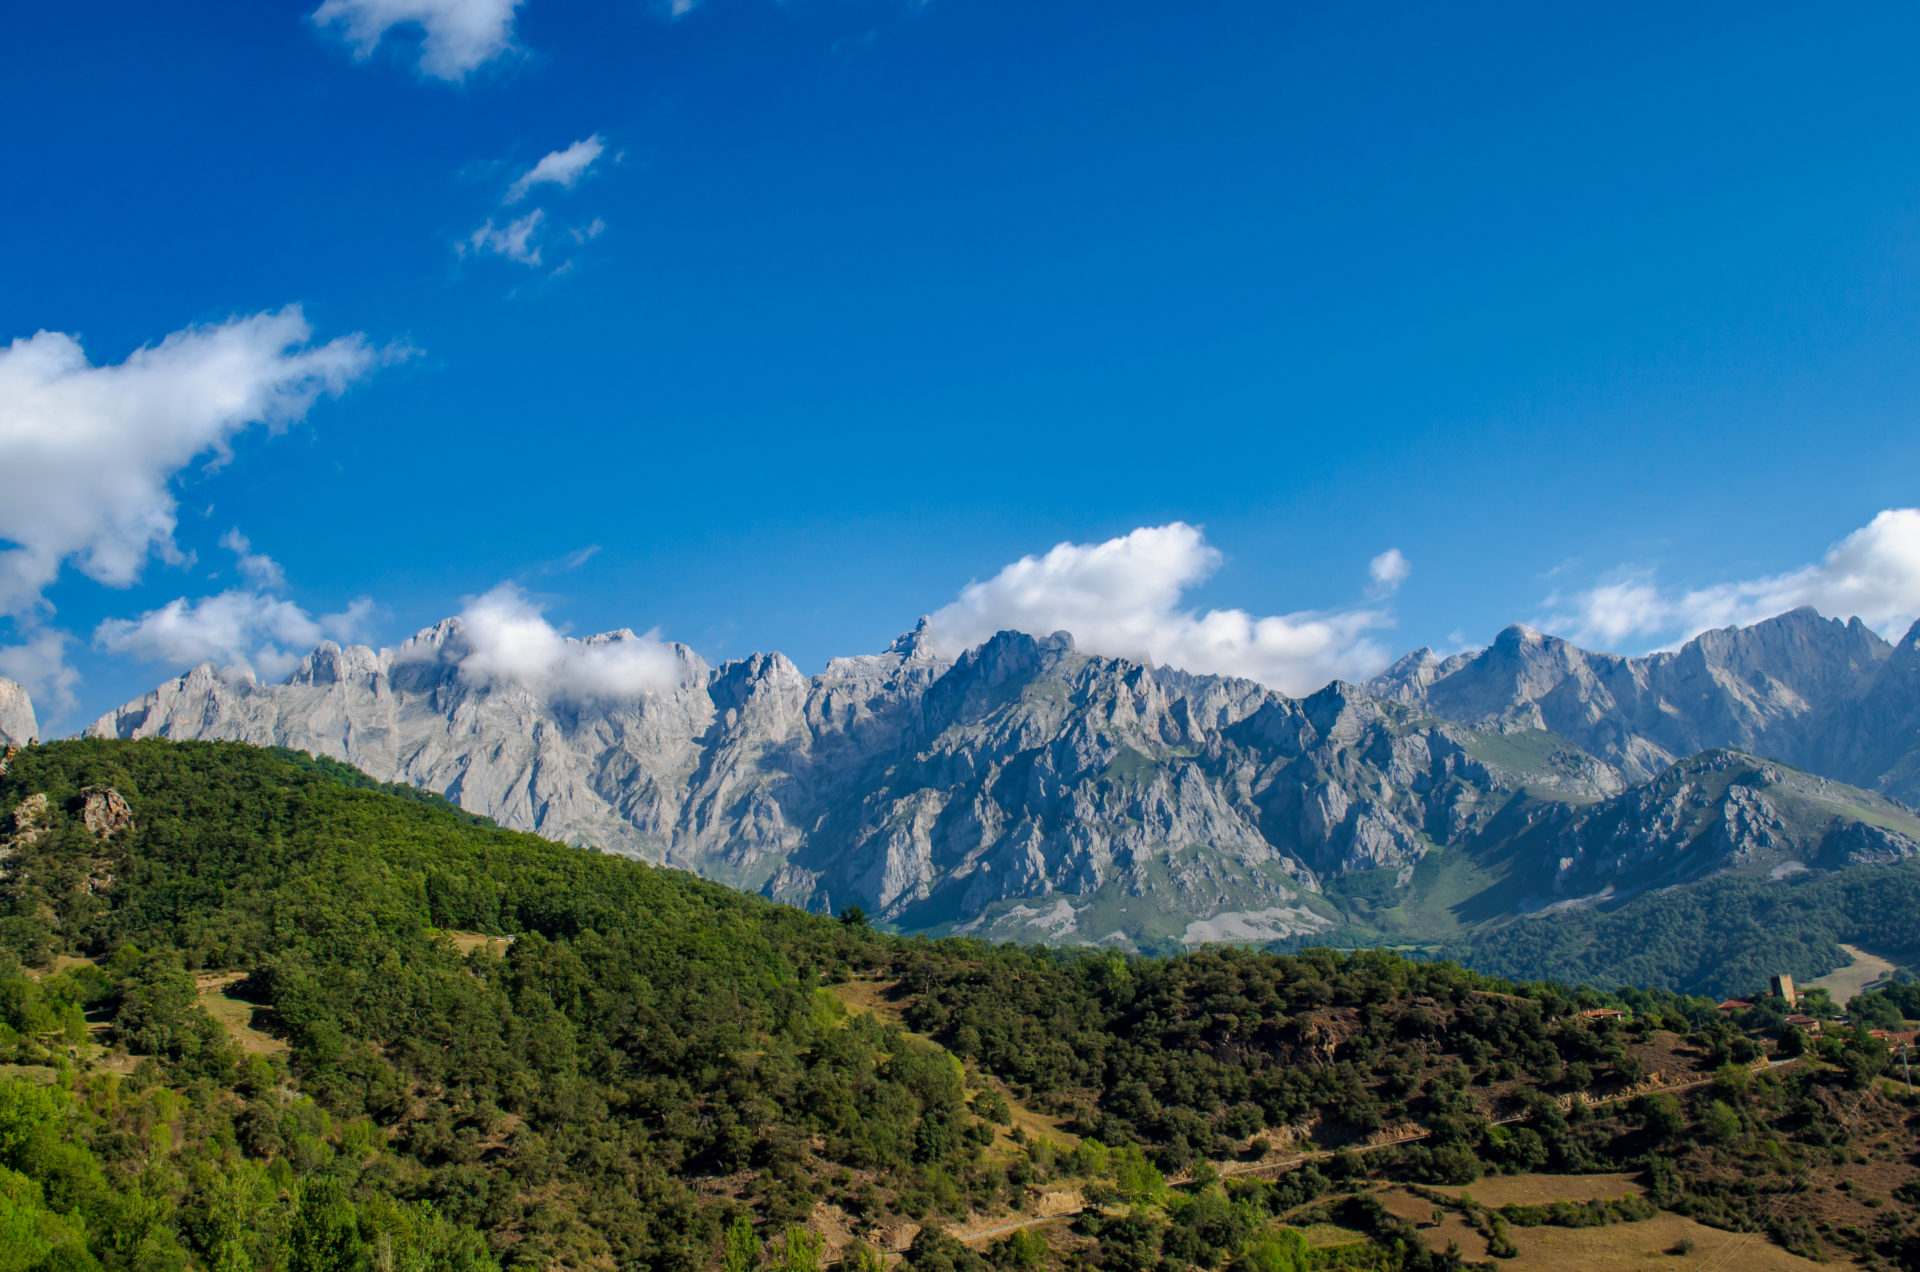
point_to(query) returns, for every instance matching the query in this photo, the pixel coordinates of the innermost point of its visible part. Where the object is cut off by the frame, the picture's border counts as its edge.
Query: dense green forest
(1720, 936)
(644, 1070)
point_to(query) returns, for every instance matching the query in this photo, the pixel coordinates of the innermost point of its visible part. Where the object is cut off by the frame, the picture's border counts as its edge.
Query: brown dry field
(1843, 983)
(1535, 1190)
(1453, 1230)
(1646, 1244)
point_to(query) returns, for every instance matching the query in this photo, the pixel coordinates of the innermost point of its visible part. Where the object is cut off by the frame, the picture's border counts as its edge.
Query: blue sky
(1604, 321)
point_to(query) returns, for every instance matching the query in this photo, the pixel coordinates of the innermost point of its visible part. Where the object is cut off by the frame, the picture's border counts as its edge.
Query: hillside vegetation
(505, 1052)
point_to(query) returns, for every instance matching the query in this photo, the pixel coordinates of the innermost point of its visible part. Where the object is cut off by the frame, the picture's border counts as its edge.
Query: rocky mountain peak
(17, 722)
(916, 645)
(330, 664)
(1013, 655)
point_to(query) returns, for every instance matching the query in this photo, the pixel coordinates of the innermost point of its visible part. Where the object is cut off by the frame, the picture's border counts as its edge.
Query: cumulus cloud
(245, 631)
(1872, 574)
(256, 568)
(457, 36)
(563, 168)
(515, 240)
(87, 452)
(1388, 571)
(39, 665)
(509, 639)
(1122, 598)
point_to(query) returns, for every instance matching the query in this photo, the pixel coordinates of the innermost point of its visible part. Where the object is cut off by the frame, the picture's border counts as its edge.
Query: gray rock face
(1023, 789)
(1815, 692)
(1723, 811)
(17, 724)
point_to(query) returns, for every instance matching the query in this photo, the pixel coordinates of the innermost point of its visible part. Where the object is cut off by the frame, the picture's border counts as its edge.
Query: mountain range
(1026, 790)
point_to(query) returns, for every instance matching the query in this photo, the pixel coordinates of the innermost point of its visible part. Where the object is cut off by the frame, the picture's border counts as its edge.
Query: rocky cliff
(17, 724)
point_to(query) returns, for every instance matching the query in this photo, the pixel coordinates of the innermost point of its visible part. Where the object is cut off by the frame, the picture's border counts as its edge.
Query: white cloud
(457, 36)
(1872, 574)
(257, 568)
(513, 241)
(1388, 571)
(563, 168)
(39, 665)
(245, 631)
(508, 639)
(1121, 598)
(87, 452)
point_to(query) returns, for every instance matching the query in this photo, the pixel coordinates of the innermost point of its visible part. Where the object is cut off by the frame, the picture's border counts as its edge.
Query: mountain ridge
(1797, 687)
(1025, 789)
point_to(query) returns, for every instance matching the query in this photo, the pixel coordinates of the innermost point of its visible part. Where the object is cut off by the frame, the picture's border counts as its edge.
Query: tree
(1135, 1176)
(1660, 1117)
(1720, 1122)
(1282, 1251)
(325, 1237)
(934, 1250)
(805, 1250)
(740, 1249)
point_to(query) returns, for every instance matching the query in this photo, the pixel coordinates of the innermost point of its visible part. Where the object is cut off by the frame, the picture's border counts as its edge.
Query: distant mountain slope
(1720, 936)
(1724, 811)
(1825, 695)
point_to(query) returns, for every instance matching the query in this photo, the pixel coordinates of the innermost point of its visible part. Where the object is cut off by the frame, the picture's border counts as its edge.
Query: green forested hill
(656, 1072)
(1719, 936)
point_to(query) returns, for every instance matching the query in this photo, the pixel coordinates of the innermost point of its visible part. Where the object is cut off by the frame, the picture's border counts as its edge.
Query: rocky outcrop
(29, 819)
(104, 812)
(17, 723)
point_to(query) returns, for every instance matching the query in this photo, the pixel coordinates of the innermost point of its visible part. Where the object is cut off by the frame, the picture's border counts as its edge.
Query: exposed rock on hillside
(104, 811)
